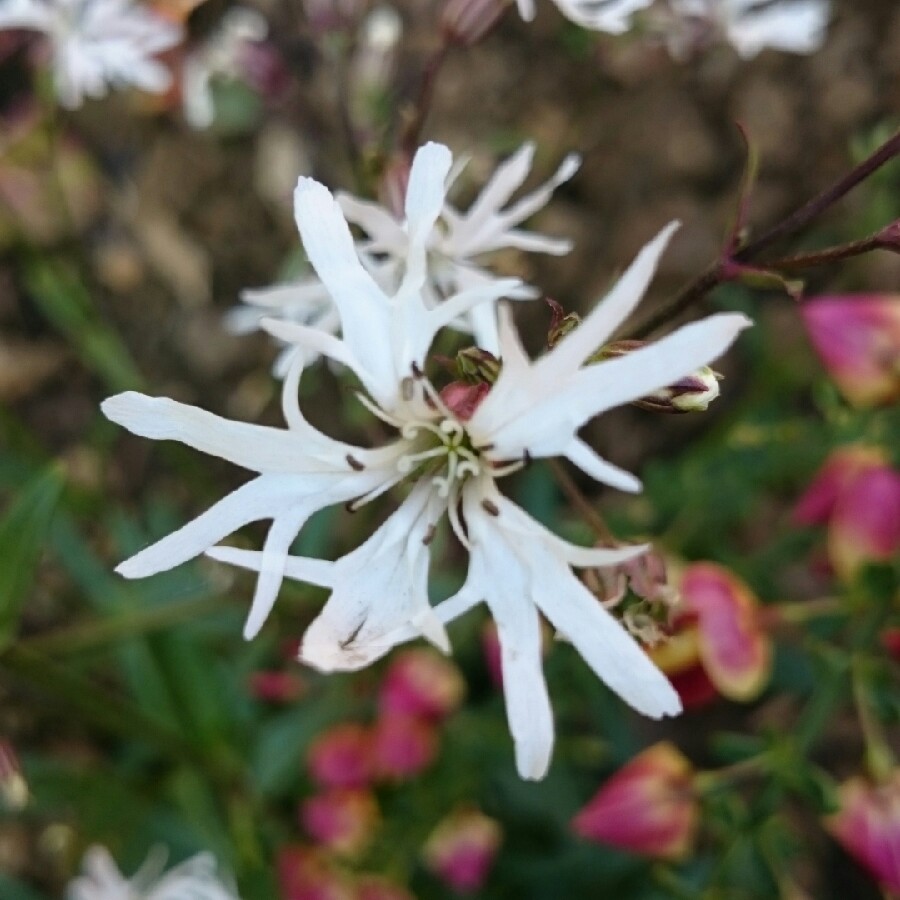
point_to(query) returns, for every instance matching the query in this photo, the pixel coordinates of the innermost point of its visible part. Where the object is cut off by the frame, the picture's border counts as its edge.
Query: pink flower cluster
(349, 761)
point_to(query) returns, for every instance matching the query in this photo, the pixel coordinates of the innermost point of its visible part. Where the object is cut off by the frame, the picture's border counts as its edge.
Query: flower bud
(341, 757)
(341, 820)
(865, 523)
(477, 366)
(466, 22)
(858, 340)
(733, 646)
(421, 683)
(462, 398)
(404, 746)
(693, 393)
(817, 504)
(561, 322)
(647, 807)
(868, 826)
(462, 848)
(276, 687)
(305, 873)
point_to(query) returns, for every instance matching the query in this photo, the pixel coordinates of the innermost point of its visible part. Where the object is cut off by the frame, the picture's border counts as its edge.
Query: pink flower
(421, 683)
(816, 506)
(865, 526)
(403, 746)
(647, 807)
(341, 820)
(858, 338)
(306, 874)
(341, 757)
(858, 495)
(276, 687)
(462, 848)
(720, 633)
(868, 826)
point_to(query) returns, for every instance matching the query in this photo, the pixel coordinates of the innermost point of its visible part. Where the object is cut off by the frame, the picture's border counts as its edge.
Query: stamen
(456, 523)
(408, 462)
(354, 463)
(490, 507)
(429, 535)
(378, 412)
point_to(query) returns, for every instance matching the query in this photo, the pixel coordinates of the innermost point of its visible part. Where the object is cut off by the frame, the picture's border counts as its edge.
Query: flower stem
(581, 503)
(800, 218)
(696, 289)
(412, 129)
(879, 757)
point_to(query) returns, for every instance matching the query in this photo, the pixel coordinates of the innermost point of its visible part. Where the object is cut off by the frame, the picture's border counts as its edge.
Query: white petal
(606, 646)
(364, 308)
(377, 590)
(797, 26)
(259, 448)
(547, 426)
(386, 234)
(265, 497)
(272, 568)
(609, 313)
(583, 456)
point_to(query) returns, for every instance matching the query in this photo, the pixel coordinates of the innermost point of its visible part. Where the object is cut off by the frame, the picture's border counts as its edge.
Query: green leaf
(23, 534)
(64, 300)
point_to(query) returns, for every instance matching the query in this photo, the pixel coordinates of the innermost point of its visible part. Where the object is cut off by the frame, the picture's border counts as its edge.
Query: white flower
(535, 408)
(797, 26)
(613, 16)
(96, 43)
(194, 879)
(220, 55)
(454, 242)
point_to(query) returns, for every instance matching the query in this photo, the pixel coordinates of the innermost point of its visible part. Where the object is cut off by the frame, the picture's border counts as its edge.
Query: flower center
(443, 447)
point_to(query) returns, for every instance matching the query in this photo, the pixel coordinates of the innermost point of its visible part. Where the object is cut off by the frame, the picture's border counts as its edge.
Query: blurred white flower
(97, 43)
(750, 26)
(448, 453)
(194, 879)
(455, 243)
(221, 55)
(613, 16)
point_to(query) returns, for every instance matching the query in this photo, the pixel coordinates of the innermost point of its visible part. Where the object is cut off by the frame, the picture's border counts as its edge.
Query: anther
(490, 507)
(417, 372)
(429, 535)
(354, 463)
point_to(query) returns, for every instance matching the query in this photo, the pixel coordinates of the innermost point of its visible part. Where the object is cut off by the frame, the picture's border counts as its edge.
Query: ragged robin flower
(449, 465)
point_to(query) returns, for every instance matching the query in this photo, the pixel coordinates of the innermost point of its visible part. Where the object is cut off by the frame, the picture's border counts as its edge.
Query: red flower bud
(865, 524)
(858, 339)
(306, 874)
(462, 848)
(732, 644)
(647, 807)
(341, 820)
(421, 683)
(868, 826)
(404, 746)
(341, 757)
(276, 687)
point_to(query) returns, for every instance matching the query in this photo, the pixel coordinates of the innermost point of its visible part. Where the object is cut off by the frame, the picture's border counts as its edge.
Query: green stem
(879, 757)
(580, 502)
